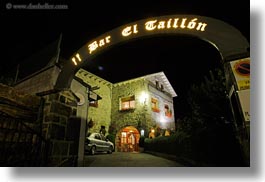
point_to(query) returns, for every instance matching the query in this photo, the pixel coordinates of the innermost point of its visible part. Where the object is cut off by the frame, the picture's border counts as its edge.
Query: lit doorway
(127, 139)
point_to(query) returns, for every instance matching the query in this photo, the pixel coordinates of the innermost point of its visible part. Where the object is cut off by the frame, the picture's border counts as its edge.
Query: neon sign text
(175, 23)
(129, 30)
(76, 57)
(161, 25)
(98, 43)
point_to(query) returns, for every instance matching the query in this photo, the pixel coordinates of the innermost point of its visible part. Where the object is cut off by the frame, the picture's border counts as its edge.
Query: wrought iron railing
(21, 143)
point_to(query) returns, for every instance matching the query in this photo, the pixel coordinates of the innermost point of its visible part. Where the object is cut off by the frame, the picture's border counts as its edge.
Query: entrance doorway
(127, 139)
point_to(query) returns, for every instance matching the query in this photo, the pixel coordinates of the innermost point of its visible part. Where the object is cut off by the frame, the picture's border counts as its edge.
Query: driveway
(126, 159)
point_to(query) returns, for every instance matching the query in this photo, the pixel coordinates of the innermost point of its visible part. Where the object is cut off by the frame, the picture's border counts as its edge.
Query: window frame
(168, 110)
(155, 101)
(131, 102)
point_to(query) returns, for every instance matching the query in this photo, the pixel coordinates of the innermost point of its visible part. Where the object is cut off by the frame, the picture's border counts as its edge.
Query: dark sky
(183, 59)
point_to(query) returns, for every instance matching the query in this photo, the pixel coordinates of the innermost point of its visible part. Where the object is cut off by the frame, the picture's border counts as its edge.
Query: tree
(208, 100)
(209, 123)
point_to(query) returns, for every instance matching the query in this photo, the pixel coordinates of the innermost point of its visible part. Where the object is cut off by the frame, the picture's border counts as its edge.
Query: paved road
(124, 159)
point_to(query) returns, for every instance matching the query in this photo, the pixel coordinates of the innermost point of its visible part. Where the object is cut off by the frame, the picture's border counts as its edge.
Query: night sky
(184, 60)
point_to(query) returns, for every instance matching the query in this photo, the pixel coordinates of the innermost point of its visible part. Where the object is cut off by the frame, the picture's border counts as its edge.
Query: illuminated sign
(175, 23)
(241, 71)
(129, 30)
(142, 27)
(76, 57)
(98, 43)
(91, 48)
(225, 38)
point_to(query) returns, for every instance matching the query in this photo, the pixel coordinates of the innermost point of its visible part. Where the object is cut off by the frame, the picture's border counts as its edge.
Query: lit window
(155, 105)
(127, 103)
(123, 137)
(93, 103)
(168, 111)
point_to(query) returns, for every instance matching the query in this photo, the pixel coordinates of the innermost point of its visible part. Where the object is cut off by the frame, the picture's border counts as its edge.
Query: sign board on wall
(244, 98)
(241, 71)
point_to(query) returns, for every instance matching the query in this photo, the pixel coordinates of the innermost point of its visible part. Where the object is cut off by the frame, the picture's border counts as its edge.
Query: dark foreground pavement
(125, 159)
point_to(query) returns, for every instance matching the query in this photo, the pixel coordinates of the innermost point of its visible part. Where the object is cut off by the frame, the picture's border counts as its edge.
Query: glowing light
(152, 130)
(78, 57)
(162, 119)
(74, 61)
(98, 43)
(183, 23)
(100, 68)
(92, 47)
(154, 25)
(129, 30)
(143, 97)
(150, 25)
(75, 58)
(142, 132)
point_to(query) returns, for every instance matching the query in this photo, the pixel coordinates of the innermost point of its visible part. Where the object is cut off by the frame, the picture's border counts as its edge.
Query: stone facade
(142, 117)
(139, 117)
(58, 110)
(66, 120)
(143, 90)
(99, 113)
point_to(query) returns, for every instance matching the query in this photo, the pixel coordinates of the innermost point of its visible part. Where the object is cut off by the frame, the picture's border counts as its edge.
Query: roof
(162, 79)
(40, 60)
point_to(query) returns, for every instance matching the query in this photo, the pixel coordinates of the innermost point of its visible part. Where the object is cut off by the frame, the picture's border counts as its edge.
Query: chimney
(157, 84)
(162, 87)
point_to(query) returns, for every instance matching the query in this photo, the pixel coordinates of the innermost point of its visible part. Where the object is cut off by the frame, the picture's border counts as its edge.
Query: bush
(176, 144)
(111, 137)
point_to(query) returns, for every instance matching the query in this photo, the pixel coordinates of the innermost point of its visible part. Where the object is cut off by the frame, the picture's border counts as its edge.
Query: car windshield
(97, 136)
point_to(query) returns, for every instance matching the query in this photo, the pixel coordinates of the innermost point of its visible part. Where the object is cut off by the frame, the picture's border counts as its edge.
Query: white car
(96, 142)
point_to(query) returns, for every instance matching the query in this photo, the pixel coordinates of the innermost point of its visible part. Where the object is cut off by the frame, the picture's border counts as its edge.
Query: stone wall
(142, 117)
(139, 117)
(100, 115)
(59, 108)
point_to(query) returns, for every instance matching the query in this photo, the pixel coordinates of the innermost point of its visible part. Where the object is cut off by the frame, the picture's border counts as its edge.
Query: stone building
(125, 110)
(129, 109)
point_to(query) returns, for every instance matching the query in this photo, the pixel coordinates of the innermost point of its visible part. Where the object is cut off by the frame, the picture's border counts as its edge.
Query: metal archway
(225, 38)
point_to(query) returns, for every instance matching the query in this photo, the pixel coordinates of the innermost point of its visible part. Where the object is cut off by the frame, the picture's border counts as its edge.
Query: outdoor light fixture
(162, 119)
(142, 132)
(143, 97)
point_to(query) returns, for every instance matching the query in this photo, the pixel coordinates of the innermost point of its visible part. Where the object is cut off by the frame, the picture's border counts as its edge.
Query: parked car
(96, 142)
